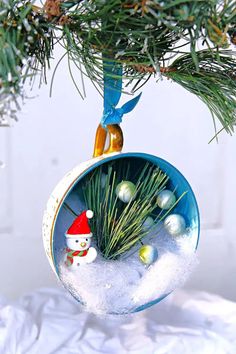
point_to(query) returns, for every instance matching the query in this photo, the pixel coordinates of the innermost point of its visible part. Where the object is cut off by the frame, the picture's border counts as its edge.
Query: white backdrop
(55, 134)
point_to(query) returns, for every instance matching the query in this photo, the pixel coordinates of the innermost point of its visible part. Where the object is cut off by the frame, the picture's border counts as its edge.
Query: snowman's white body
(81, 243)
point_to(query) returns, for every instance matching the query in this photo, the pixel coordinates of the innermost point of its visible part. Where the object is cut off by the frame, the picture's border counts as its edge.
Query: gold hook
(115, 136)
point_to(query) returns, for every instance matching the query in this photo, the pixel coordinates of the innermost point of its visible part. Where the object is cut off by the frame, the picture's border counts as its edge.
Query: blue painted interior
(187, 207)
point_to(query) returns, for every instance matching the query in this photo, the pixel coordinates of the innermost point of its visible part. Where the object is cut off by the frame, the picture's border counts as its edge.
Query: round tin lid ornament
(121, 229)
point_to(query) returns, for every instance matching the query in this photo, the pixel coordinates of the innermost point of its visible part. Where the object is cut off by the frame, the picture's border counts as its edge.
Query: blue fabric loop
(112, 94)
(114, 115)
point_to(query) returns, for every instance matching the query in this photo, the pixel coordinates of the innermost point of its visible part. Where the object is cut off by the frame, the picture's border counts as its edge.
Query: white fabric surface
(50, 321)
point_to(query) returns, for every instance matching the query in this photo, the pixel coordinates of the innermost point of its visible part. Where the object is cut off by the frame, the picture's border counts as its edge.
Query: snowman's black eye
(86, 239)
(77, 241)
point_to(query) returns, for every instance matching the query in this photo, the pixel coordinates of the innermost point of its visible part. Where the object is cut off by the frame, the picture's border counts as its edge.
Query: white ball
(175, 224)
(92, 255)
(125, 191)
(166, 199)
(89, 214)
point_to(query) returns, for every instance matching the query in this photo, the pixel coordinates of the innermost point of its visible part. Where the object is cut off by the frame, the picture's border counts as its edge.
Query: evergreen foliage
(118, 226)
(190, 42)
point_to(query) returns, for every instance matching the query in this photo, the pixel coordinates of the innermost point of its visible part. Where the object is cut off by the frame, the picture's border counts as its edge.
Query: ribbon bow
(112, 94)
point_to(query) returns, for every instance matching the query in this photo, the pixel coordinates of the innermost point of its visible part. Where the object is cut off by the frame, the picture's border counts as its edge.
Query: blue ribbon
(112, 94)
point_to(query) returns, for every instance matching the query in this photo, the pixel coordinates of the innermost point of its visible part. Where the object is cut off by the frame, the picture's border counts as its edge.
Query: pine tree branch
(146, 37)
(214, 82)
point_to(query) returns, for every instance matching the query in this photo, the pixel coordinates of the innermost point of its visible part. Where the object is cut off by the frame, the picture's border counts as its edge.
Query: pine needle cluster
(189, 42)
(117, 226)
(26, 43)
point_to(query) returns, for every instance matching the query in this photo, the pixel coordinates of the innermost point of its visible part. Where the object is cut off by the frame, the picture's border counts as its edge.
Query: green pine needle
(117, 226)
(214, 82)
(26, 44)
(146, 37)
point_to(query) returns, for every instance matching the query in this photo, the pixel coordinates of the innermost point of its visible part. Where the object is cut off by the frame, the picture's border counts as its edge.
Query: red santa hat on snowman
(80, 226)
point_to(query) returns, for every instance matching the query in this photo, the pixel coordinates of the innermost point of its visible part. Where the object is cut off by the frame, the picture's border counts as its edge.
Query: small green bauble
(148, 223)
(125, 191)
(148, 254)
(166, 199)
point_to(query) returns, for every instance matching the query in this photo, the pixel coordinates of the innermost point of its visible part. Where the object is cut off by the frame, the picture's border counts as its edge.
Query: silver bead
(166, 199)
(175, 224)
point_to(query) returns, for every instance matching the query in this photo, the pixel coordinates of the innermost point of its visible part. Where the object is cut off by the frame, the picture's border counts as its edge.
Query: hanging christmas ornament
(117, 228)
(148, 254)
(125, 191)
(98, 260)
(166, 199)
(142, 47)
(175, 224)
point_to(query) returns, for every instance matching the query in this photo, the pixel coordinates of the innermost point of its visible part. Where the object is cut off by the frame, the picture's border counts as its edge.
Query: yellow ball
(148, 254)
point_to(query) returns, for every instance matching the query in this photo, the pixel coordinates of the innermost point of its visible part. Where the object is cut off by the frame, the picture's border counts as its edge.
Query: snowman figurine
(78, 241)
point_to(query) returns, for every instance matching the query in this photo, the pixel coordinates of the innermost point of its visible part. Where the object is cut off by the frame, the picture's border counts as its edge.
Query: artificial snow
(121, 286)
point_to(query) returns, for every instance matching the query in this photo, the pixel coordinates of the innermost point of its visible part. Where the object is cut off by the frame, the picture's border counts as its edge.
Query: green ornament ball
(148, 223)
(125, 191)
(148, 254)
(166, 199)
